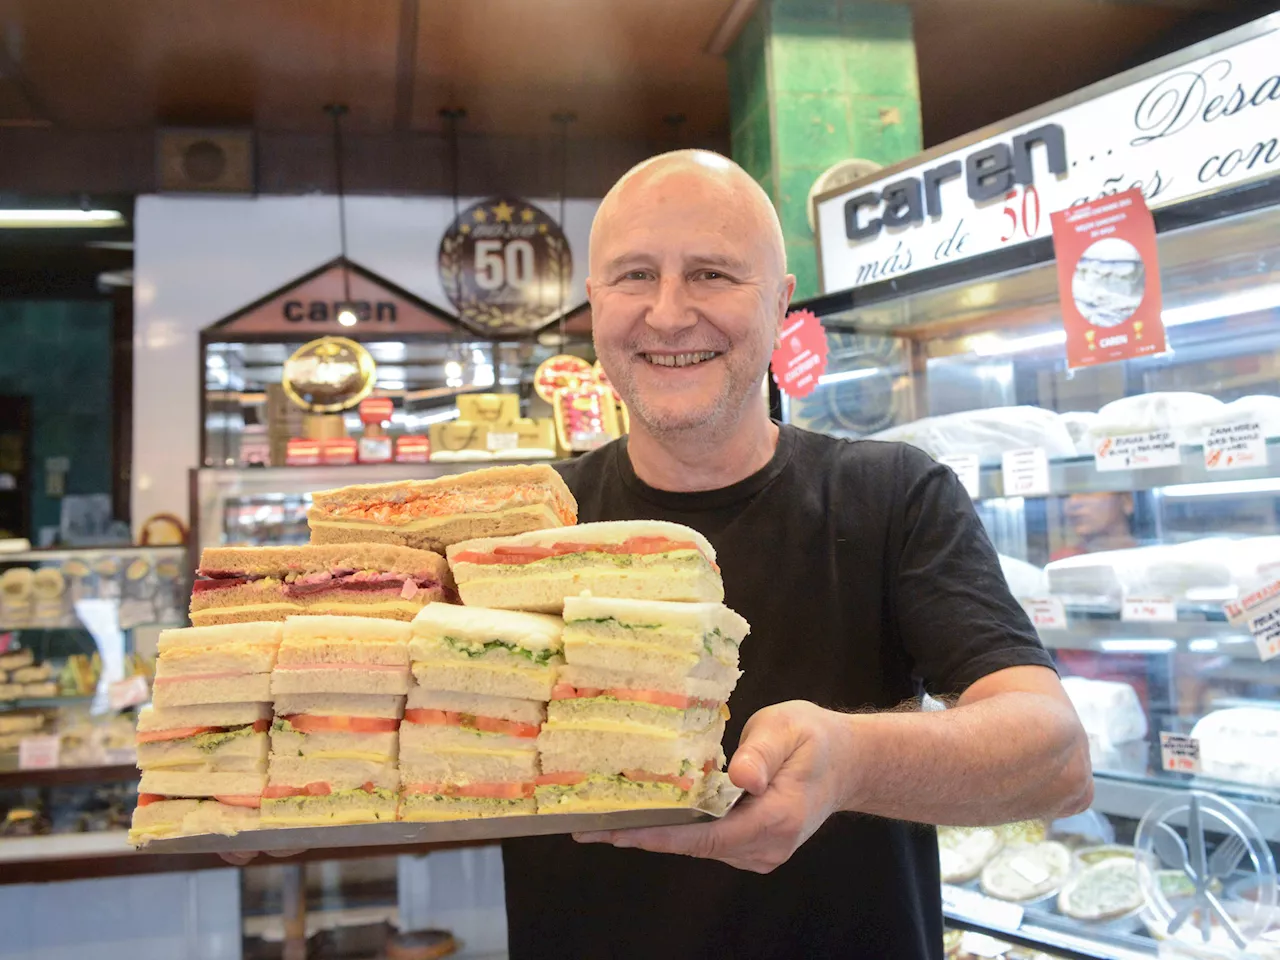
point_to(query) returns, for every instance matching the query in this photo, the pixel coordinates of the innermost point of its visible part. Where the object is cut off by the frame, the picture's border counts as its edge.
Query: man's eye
(636, 275)
(711, 275)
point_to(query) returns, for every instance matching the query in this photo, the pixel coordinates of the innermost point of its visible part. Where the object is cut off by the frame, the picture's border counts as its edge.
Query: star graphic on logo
(465, 228)
(526, 215)
(542, 228)
(480, 216)
(502, 211)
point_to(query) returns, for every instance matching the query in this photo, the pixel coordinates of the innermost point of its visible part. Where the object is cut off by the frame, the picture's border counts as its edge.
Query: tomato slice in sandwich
(174, 733)
(643, 776)
(146, 799)
(306, 723)
(239, 800)
(278, 792)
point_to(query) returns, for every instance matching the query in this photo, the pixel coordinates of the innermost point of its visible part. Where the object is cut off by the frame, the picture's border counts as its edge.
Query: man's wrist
(849, 759)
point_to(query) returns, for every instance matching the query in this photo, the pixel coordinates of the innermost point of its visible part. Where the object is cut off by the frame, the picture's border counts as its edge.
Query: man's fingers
(238, 858)
(742, 826)
(768, 739)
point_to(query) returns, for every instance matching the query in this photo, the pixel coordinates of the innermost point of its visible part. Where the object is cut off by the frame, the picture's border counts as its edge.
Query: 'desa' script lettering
(989, 173)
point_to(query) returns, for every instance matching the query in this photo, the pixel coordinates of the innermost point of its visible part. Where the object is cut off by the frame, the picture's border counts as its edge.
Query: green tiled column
(813, 82)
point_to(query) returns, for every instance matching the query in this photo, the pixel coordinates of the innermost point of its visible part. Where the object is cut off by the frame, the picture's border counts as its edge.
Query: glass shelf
(1080, 475)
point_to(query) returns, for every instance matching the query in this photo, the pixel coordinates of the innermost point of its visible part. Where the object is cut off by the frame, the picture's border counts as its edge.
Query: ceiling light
(61, 218)
(1222, 488)
(1248, 301)
(829, 378)
(453, 370)
(994, 346)
(347, 317)
(1137, 645)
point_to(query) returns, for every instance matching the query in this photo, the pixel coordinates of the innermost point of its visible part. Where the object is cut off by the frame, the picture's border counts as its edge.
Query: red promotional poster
(1109, 280)
(801, 357)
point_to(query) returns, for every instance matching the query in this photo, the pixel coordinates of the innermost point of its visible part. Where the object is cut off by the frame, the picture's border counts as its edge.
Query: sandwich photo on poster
(1109, 280)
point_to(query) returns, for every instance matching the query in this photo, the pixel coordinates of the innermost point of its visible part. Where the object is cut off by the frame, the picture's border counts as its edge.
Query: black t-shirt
(866, 577)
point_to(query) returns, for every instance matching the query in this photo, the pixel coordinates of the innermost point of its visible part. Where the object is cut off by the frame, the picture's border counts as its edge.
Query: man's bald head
(707, 174)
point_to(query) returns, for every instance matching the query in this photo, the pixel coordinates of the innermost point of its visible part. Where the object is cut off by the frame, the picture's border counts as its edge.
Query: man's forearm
(1008, 757)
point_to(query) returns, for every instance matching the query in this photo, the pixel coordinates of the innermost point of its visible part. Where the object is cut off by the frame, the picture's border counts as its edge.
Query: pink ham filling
(164, 681)
(338, 580)
(342, 666)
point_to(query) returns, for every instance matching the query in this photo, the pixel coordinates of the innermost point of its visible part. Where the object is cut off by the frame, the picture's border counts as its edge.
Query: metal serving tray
(711, 807)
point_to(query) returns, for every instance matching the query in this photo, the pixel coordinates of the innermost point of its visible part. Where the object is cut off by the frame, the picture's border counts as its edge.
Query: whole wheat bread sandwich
(246, 584)
(432, 514)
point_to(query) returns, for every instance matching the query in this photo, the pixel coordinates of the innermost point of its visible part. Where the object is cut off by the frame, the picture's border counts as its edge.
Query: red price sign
(801, 356)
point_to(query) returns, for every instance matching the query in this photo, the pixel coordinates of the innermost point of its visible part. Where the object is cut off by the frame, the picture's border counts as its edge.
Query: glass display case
(77, 644)
(1129, 573)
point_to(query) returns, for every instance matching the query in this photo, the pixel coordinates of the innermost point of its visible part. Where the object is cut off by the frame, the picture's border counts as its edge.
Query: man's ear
(784, 301)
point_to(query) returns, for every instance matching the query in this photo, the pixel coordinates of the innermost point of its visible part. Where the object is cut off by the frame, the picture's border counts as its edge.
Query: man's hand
(791, 760)
(238, 858)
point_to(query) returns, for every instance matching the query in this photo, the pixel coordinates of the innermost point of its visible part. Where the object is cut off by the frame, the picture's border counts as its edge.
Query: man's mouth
(679, 359)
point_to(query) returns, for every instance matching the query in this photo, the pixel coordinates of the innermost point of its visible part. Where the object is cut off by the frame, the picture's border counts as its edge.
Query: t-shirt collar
(708, 499)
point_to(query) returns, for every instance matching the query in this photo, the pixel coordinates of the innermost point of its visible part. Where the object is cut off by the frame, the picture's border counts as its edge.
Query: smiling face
(687, 290)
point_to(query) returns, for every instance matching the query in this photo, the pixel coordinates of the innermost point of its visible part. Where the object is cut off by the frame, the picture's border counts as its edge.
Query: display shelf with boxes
(1135, 506)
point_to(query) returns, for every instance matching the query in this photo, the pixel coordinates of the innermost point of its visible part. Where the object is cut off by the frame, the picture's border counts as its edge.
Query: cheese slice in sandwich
(241, 584)
(667, 640)
(226, 664)
(431, 514)
(358, 655)
(630, 559)
(158, 818)
(498, 653)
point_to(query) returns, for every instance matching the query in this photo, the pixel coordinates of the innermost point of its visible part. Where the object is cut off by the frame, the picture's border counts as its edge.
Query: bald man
(866, 578)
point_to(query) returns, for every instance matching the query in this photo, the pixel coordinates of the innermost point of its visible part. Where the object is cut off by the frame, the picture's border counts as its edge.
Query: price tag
(1252, 604)
(1137, 451)
(981, 945)
(374, 450)
(588, 439)
(967, 469)
(1047, 613)
(1029, 870)
(1025, 472)
(502, 441)
(1265, 628)
(1179, 754)
(119, 756)
(39, 752)
(974, 906)
(1233, 446)
(128, 692)
(1149, 609)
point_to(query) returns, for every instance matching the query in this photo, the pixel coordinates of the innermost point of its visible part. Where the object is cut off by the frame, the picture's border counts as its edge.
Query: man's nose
(671, 311)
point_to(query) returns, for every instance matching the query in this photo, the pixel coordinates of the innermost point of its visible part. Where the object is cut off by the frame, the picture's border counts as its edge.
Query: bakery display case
(1134, 501)
(1130, 574)
(77, 638)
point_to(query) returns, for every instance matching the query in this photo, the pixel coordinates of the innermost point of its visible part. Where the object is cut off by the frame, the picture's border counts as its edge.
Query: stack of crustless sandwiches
(442, 649)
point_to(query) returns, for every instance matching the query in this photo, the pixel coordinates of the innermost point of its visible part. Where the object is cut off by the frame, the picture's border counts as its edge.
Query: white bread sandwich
(333, 759)
(203, 769)
(431, 514)
(229, 736)
(672, 641)
(158, 818)
(324, 654)
(241, 584)
(633, 559)
(501, 653)
(466, 755)
(221, 664)
(638, 714)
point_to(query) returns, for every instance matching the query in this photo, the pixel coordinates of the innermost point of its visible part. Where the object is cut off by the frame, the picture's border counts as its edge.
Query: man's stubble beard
(720, 419)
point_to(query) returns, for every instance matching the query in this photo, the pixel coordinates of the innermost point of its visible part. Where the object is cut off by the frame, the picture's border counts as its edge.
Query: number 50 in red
(1029, 222)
